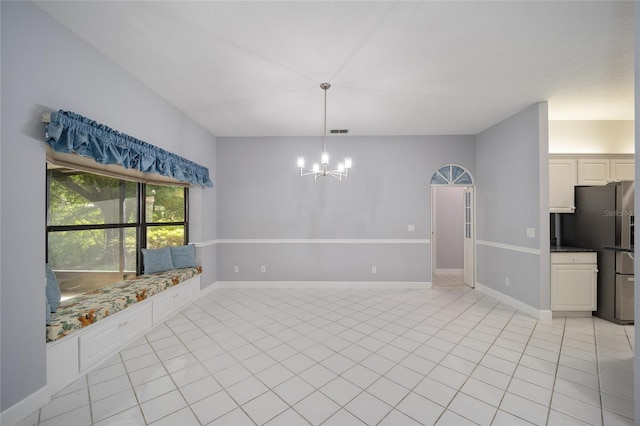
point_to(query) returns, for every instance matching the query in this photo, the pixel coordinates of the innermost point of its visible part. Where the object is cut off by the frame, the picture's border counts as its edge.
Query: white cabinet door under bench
(164, 304)
(76, 354)
(106, 339)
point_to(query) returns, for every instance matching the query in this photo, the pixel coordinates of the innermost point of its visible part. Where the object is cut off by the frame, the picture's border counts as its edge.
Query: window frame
(141, 225)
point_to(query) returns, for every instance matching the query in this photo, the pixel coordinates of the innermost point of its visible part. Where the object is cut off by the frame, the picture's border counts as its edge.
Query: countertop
(568, 249)
(619, 248)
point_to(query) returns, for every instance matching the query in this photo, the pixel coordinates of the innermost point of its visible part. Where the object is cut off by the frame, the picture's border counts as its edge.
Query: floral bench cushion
(92, 306)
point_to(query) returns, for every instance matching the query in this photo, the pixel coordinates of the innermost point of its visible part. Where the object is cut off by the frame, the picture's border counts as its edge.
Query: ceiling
(396, 67)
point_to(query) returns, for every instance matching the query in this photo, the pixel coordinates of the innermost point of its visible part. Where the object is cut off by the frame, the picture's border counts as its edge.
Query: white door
(468, 237)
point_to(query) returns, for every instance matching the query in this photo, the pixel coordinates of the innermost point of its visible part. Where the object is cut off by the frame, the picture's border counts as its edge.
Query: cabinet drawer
(574, 258)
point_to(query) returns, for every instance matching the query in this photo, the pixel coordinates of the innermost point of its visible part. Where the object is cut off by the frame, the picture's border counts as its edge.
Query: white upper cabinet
(562, 180)
(601, 171)
(568, 170)
(593, 171)
(623, 169)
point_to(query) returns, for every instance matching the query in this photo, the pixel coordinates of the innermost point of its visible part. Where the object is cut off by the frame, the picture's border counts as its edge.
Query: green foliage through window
(94, 229)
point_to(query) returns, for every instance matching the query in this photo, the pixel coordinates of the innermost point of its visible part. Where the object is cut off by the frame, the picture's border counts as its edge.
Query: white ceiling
(396, 67)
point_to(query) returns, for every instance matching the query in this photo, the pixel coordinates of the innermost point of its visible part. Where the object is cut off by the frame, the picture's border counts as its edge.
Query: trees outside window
(95, 228)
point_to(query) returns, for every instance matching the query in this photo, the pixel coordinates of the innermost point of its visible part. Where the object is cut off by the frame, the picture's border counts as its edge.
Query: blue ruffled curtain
(70, 132)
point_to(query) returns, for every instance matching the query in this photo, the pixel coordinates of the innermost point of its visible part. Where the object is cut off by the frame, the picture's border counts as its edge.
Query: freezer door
(624, 297)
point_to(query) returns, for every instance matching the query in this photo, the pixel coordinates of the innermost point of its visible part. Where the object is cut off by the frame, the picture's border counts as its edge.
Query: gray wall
(45, 67)
(261, 197)
(449, 224)
(509, 200)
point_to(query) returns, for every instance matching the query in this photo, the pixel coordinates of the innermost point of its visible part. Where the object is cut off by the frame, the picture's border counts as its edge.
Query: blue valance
(70, 132)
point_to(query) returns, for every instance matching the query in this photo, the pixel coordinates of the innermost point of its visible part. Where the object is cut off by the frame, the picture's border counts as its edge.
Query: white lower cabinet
(105, 339)
(574, 277)
(166, 304)
(77, 354)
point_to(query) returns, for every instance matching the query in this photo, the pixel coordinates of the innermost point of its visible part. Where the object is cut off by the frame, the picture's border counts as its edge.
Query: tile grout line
(555, 376)
(223, 388)
(476, 366)
(394, 316)
(456, 344)
(595, 341)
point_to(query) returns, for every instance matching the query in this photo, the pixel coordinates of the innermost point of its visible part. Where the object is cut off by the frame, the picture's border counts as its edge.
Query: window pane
(93, 250)
(164, 203)
(89, 259)
(162, 236)
(79, 198)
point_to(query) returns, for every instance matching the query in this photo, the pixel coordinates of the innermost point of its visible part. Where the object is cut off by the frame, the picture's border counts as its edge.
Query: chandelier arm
(337, 174)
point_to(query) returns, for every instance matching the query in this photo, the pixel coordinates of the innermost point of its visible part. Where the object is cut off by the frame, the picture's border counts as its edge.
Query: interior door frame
(472, 222)
(433, 236)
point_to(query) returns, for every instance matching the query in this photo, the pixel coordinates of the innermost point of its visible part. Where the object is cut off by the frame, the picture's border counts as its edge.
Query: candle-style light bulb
(325, 158)
(347, 163)
(301, 162)
(316, 167)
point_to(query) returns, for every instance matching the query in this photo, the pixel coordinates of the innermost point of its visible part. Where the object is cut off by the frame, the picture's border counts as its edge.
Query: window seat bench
(88, 329)
(90, 307)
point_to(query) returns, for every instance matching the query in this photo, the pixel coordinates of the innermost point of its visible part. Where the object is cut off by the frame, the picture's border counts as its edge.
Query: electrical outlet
(263, 269)
(531, 232)
(374, 270)
(236, 269)
(411, 228)
(506, 282)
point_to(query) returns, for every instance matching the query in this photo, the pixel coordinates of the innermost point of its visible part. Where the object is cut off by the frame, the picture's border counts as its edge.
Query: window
(165, 213)
(95, 228)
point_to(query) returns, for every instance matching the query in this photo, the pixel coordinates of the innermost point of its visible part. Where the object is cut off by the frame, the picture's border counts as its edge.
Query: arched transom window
(451, 174)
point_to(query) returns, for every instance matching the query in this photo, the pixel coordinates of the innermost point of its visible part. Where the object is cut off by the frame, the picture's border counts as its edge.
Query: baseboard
(443, 271)
(544, 315)
(572, 314)
(319, 284)
(24, 408)
(208, 289)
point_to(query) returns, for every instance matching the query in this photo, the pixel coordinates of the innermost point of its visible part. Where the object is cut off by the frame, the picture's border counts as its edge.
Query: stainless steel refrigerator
(604, 220)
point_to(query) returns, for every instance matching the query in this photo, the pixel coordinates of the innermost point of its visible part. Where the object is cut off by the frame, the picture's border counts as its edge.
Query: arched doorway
(452, 227)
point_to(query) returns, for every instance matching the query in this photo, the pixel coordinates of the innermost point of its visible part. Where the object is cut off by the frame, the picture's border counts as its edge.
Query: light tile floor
(446, 356)
(448, 280)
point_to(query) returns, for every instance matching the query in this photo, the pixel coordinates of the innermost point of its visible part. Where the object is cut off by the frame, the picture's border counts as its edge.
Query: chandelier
(322, 169)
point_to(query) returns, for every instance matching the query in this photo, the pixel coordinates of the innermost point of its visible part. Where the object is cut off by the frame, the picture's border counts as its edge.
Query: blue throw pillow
(158, 260)
(48, 310)
(183, 256)
(53, 290)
